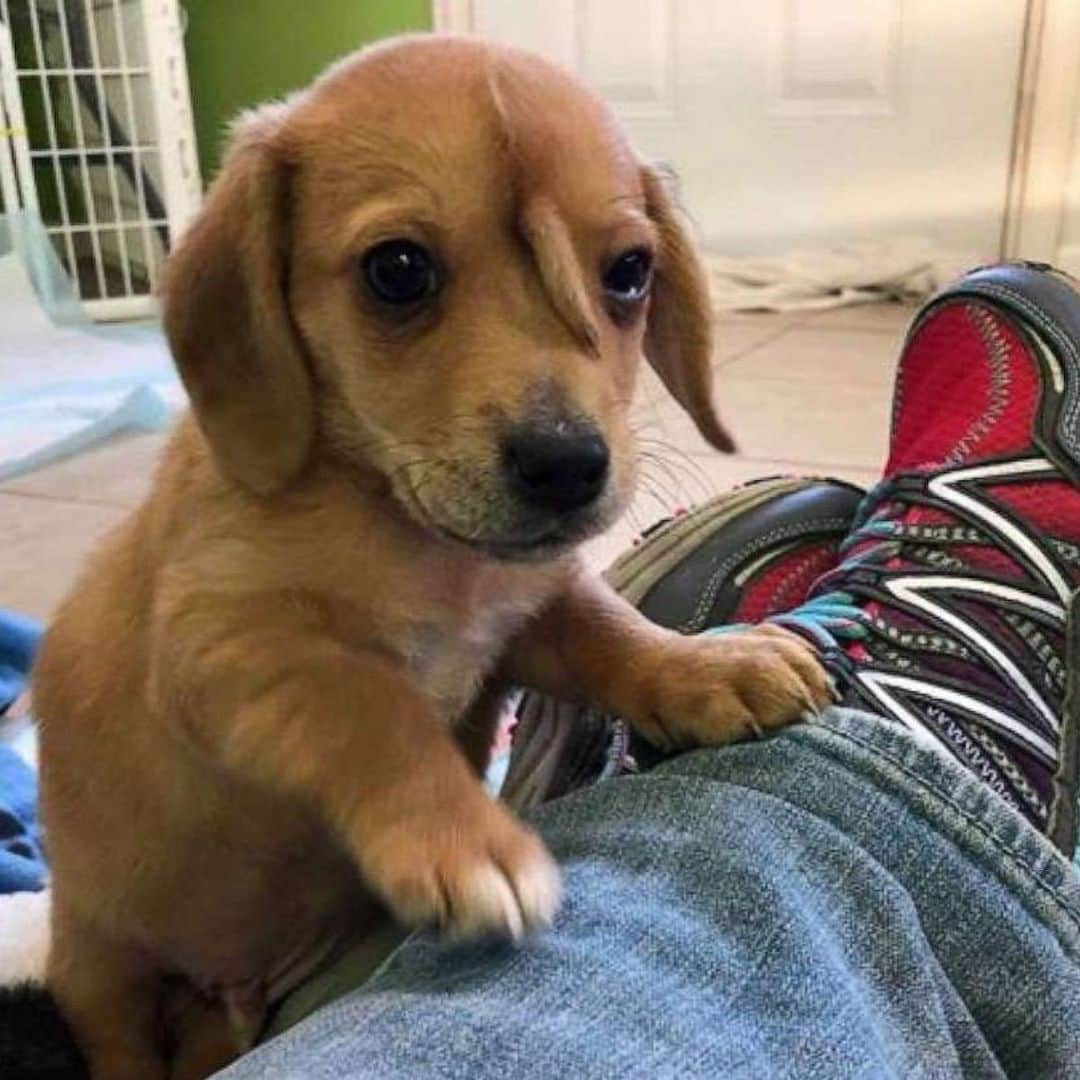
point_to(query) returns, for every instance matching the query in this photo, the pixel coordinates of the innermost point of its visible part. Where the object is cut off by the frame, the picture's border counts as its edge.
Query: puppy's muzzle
(559, 469)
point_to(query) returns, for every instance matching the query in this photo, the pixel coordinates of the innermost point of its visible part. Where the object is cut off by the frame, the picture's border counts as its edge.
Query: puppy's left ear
(679, 330)
(227, 317)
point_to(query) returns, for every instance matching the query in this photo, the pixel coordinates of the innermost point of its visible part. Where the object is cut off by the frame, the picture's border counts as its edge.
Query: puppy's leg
(110, 997)
(202, 1036)
(348, 733)
(590, 645)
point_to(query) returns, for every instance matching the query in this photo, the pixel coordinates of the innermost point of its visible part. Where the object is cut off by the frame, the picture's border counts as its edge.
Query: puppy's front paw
(704, 691)
(471, 874)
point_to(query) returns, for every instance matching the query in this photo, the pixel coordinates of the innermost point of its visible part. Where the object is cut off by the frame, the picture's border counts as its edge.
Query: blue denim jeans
(835, 901)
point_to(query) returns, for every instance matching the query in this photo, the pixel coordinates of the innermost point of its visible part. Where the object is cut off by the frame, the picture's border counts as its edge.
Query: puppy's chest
(453, 644)
(449, 660)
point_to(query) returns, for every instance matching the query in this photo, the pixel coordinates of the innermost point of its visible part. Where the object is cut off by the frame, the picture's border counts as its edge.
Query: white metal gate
(100, 141)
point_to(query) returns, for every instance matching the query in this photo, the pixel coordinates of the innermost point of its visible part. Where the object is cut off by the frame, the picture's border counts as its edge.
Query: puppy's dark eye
(400, 272)
(627, 278)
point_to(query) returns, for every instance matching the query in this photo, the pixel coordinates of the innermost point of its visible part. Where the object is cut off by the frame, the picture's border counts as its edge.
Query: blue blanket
(22, 861)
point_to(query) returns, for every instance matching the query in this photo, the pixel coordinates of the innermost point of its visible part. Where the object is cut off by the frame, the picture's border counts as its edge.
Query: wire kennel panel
(101, 134)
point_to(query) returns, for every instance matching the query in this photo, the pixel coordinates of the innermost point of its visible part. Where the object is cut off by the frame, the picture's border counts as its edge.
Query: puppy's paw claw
(491, 877)
(711, 690)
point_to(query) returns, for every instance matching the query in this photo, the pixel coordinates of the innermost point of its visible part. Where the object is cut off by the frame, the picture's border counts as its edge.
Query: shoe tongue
(893, 556)
(960, 390)
(899, 514)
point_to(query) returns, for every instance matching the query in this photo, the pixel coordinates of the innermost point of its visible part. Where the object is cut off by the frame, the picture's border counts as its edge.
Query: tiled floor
(803, 393)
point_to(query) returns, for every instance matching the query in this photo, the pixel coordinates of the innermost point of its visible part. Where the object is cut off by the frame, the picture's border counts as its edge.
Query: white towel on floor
(855, 274)
(24, 937)
(64, 387)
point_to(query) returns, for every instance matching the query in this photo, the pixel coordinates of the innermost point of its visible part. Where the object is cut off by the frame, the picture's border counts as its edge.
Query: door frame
(1044, 178)
(452, 16)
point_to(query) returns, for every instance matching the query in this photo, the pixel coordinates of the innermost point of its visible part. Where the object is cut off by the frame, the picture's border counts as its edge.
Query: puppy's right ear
(679, 330)
(227, 319)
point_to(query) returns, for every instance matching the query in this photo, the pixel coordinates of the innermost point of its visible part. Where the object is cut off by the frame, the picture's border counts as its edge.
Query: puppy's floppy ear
(679, 330)
(226, 317)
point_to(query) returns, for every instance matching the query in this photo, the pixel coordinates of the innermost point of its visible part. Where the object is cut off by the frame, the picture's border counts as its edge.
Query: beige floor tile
(888, 318)
(848, 358)
(117, 473)
(787, 420)
(736, 339)
(760, 318)
(45, 542)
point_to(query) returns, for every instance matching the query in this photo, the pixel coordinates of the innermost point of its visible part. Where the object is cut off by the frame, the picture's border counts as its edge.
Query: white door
(803, 123)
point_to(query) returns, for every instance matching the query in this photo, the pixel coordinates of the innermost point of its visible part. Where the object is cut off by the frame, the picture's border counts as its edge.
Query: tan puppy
(409, 316)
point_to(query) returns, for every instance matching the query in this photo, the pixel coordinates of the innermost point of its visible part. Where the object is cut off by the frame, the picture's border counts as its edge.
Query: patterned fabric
(950, 612)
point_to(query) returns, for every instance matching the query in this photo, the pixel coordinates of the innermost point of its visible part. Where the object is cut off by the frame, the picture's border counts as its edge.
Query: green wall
(241, 52)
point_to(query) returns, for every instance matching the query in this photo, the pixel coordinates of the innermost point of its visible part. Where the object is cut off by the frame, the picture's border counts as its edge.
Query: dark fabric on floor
(35, 1042)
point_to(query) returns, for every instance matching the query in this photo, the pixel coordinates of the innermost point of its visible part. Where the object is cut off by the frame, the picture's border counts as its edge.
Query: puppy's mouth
(533, 549)
(544, 544)
(531, 542)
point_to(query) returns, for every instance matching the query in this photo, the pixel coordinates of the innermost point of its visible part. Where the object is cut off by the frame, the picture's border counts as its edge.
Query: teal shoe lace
(831, 615)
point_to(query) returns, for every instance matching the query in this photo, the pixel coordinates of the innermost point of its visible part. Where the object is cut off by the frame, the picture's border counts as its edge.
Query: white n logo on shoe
(929, 593)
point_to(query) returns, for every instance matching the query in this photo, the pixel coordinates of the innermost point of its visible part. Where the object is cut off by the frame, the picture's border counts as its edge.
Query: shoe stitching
(776, 598)
(722, 571)
(1051, 328)
(997, 350)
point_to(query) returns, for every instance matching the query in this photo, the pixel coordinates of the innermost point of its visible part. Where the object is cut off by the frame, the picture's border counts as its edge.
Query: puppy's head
(440, 265)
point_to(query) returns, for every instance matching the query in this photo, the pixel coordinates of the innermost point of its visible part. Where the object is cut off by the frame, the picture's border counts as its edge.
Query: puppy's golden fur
(266, 701)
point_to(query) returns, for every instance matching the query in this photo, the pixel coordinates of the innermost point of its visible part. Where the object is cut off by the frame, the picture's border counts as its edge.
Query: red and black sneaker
(738, 558)
(954, 609)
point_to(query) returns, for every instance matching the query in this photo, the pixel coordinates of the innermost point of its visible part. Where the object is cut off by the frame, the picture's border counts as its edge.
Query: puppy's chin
(524, 540)
(544, 547)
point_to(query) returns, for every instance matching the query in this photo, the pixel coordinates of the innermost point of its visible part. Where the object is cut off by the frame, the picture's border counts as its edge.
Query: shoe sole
(662, 548)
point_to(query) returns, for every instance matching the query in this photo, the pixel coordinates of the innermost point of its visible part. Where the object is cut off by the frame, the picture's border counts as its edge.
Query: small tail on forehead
(526, 139)
(545, 231)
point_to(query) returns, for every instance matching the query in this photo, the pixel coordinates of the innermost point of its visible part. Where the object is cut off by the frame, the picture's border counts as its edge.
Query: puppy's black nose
(556, 471)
